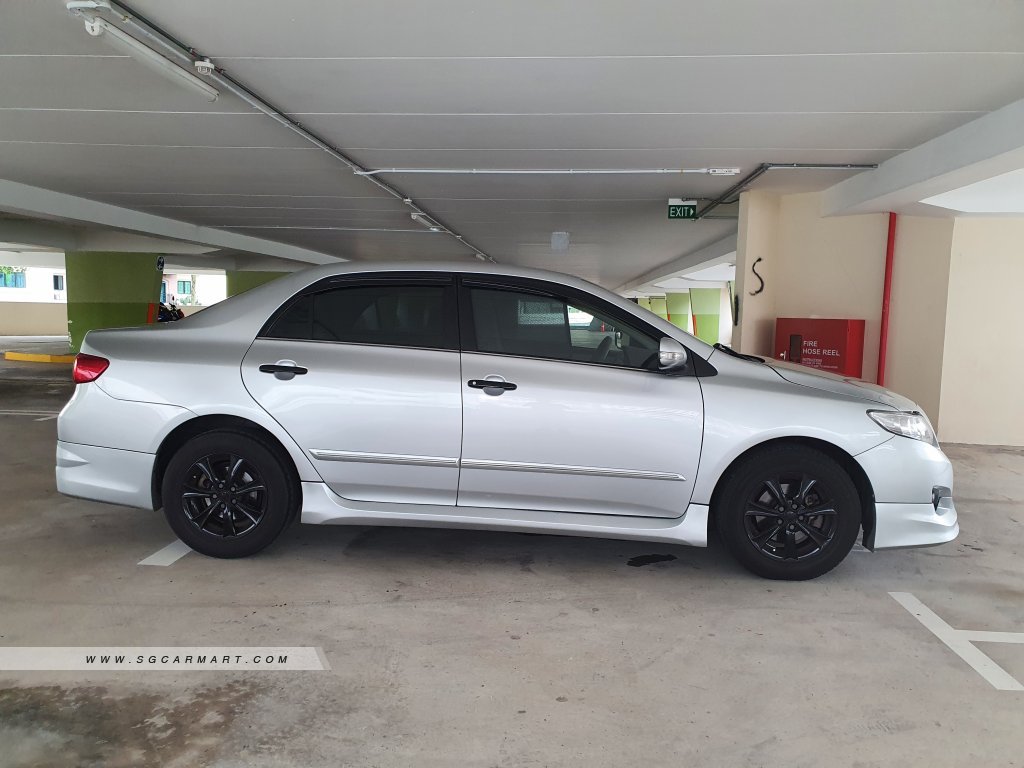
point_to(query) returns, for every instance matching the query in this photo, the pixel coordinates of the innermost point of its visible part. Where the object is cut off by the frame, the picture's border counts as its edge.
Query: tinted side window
(392, 315)
(520, 324)
(530, 325)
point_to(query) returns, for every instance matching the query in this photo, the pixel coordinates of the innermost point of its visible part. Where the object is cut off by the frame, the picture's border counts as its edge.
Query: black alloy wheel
(789, 512)
(229, 494)
(790, 517)
(224, 495)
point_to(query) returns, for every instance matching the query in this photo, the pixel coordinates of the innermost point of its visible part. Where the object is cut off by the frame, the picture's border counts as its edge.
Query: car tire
(228, 494)
(788, 512)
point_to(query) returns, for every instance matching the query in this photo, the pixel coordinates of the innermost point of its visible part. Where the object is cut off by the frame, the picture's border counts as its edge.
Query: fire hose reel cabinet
(832, 345)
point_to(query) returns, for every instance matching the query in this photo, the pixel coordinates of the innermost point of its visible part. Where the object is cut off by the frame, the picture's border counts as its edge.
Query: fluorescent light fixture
(420, 218)
(146, 55)
(553, 171)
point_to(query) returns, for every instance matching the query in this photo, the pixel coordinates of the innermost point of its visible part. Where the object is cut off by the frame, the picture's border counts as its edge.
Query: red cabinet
(836, 346)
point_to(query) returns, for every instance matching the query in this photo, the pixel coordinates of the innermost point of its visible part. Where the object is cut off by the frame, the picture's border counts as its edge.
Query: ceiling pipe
(763, 168)
(127, 16)
(554, 171)
(883, 334)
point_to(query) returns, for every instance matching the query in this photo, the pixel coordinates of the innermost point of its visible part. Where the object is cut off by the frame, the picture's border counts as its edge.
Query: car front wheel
(789, 512)
(228, 494)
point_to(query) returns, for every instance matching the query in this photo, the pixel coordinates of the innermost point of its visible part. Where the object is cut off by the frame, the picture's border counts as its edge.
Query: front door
(563, 408)
(364, 375)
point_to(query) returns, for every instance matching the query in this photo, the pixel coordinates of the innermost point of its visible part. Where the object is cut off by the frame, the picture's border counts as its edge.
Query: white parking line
(960, 642)
(169, 555)
(48, 414)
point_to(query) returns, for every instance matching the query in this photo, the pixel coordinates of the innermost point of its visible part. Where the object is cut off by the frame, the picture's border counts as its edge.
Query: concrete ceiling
(461, 83)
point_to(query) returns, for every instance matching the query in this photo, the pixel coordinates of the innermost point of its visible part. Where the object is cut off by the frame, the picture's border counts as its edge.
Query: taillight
(88, 368)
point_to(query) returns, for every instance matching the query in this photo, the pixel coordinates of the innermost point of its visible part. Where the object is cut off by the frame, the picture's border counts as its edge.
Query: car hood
(840, 385)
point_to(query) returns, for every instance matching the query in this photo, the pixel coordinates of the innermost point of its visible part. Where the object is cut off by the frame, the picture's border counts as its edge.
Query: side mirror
(671, 355)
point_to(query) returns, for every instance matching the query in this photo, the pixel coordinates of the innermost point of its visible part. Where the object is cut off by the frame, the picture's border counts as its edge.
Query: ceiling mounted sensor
(559, 241)
(142, 53)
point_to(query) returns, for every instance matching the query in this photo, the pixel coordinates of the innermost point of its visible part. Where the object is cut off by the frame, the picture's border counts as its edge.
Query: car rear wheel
(228, 494)
(789, 512)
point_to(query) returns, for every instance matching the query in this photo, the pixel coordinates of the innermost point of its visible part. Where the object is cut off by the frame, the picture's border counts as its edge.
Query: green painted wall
(240, 282)
(644, 302)
(109, 290)
(706, 303)
(658, 307)
(678, 307)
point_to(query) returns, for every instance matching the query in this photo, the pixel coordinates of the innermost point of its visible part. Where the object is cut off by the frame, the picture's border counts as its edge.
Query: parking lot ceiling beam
(733, 193)
(65, 237)
(127, 16)
(26, 200)
(718, 252)
(38, 234)
(989, 146)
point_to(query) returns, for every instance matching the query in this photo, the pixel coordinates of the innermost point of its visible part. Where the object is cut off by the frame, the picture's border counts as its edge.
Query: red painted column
(883, 338)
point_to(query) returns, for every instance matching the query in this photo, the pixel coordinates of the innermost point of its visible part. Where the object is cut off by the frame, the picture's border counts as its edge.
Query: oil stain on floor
(640, 560)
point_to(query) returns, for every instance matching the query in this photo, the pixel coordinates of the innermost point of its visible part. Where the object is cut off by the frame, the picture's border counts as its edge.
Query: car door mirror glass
(671, 355)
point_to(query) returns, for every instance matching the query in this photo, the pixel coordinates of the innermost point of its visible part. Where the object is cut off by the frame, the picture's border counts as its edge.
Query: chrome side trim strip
(383, 458)
(513, 466)
(561, 469)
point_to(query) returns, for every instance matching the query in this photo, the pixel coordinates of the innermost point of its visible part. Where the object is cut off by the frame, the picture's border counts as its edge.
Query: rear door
(364, 375)
(564, 409)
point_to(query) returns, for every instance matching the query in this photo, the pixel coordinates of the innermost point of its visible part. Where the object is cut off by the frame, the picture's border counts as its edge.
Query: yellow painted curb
(33, 357)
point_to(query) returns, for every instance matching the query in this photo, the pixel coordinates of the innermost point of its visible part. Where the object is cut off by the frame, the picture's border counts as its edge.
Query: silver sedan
(496, 398)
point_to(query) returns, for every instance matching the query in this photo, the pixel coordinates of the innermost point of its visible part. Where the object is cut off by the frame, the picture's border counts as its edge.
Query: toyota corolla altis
(496, 398)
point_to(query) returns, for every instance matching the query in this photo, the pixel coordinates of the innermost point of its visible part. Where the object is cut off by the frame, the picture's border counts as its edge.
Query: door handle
(491, 384)
(296, 369)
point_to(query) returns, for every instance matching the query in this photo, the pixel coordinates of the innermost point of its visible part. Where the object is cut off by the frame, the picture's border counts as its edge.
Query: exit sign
(682, 209)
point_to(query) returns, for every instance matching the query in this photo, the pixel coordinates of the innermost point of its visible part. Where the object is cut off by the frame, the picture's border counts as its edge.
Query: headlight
(906, 423)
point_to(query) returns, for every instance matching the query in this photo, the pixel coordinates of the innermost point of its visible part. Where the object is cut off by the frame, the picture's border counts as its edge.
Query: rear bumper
(914, 525)
(105, 474)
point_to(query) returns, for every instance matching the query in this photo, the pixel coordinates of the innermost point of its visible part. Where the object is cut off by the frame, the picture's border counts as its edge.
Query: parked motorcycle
(169, 312)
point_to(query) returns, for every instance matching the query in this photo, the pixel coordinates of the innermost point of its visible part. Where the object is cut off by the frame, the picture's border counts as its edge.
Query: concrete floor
(486, 649)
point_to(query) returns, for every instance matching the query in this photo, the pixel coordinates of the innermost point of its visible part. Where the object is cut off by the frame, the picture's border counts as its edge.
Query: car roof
(473, 266)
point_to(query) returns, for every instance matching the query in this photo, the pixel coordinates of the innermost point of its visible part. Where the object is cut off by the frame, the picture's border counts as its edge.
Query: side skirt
(321, 506)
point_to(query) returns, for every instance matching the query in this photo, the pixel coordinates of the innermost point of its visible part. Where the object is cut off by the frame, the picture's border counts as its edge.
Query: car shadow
(523, 552)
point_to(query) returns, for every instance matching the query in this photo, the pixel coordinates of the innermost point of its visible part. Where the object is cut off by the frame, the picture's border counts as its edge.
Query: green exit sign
(682, 209)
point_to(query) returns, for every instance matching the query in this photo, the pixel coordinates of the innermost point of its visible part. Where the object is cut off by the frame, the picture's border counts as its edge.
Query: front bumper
(913, 525)
(913, 501)
(105, 474)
